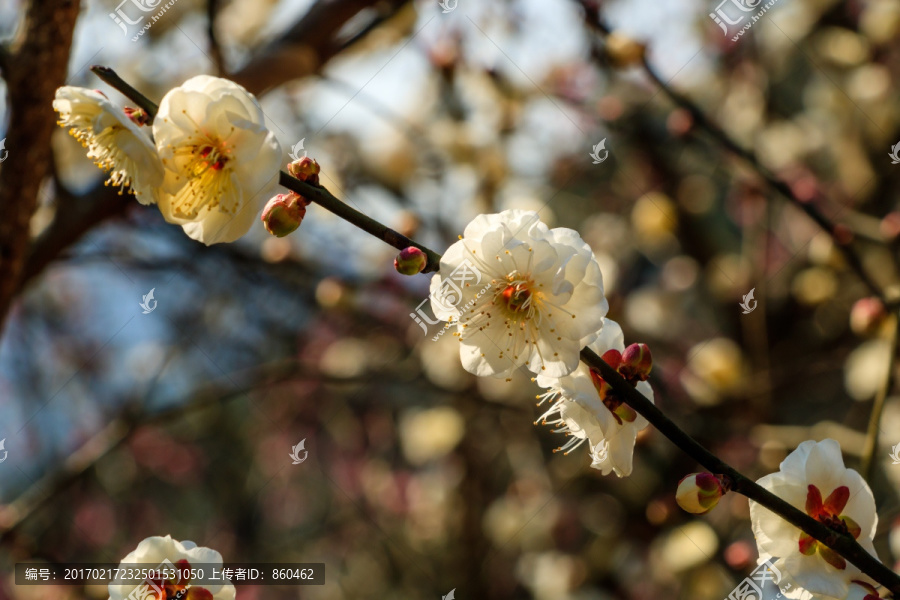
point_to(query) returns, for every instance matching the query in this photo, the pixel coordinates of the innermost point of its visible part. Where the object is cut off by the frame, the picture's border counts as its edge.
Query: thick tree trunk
(35, 69)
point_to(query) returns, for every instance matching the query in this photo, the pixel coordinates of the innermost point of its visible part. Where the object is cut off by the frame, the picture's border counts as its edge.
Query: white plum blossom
(113, 141)
(219, 158)
(154, 551)
(813, 479)
(519, 294)
(586, 409)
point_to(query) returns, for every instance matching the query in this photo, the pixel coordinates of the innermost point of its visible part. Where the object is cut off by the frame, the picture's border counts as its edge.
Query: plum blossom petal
(113, 141)
(578, 411)
(519, 294)
(813, 479)
(220, 159)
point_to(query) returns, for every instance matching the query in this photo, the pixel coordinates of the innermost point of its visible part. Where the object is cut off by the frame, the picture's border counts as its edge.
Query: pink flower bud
(866, 316)
(138, 116)
(636, 363)
(613, 358)
(284, 213)
(305, 169)
(410, 261)
(698, 493)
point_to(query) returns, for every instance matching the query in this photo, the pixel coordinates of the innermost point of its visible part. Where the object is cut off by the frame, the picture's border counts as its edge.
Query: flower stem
(328, 201)
(843, 544)
(113, 79)
(871, 447)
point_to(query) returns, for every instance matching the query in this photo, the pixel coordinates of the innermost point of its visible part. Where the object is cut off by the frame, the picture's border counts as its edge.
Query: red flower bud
(410, 261)
(284, 213)
(636, 363)
(698, 493)
(305, 169)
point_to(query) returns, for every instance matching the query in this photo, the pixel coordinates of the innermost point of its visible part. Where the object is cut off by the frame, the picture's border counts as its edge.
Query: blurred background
(420, 478)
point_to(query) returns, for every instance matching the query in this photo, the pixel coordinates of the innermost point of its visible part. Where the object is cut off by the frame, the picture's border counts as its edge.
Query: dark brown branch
(113, 79)
(76, 214)
(36, 69)
(328, 201)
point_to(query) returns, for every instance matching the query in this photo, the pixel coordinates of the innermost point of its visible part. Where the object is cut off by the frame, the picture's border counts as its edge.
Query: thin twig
(328, 201)
(868, 456)
(113, 79)
(592, 18)
(841, 543)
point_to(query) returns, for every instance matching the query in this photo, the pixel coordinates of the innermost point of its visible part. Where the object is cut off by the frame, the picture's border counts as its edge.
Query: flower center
(516, 298)
(209, 180)
(212, 158)
(828, 512)
(180, 589)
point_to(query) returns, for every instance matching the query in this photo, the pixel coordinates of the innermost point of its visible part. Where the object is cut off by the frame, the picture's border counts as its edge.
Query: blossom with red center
(220, 159)
(584, 407)
(172, 579)
(813, 479)
(519, 293)
(829, 514)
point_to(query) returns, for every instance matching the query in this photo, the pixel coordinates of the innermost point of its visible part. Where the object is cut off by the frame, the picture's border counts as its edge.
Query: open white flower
(219, 158)
(587, 410)
(520, 294)
(113, 141)
(152, 553)
(813, 478)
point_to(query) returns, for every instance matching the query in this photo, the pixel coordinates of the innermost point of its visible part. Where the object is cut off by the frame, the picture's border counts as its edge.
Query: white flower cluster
(208, 165)
(542, 303)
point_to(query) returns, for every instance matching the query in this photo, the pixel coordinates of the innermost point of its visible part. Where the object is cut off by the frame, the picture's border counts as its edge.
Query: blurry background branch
(122, 428)
(841, 235)
(44, 50)
(304, 48)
